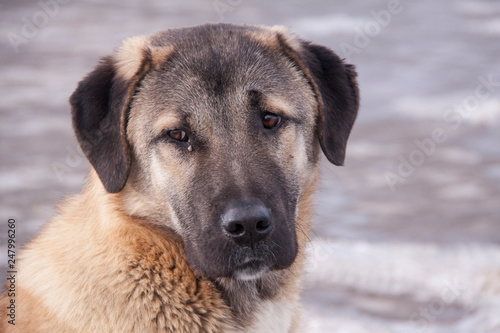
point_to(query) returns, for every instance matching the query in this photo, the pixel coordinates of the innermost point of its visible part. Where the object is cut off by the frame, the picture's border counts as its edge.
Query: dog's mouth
(251, 269)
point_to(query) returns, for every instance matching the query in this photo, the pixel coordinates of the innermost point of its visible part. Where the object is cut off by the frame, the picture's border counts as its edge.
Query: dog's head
(216, 132)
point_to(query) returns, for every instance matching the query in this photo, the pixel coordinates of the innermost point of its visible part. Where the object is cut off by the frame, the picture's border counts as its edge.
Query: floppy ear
(336, 88)
(99, 108)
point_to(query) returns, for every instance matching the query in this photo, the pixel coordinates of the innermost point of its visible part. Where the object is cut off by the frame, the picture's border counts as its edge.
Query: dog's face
(215, 131)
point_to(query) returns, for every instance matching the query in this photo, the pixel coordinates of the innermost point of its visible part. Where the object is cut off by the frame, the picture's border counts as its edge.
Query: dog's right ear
(100, 106)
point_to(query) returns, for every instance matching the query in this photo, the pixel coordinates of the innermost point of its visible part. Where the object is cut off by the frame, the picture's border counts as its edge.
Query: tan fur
(267, 36)
(279, 105)
(290, 37)
(130, 54)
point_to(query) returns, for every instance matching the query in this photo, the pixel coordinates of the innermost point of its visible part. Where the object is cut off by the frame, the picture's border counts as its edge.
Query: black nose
(247, 222)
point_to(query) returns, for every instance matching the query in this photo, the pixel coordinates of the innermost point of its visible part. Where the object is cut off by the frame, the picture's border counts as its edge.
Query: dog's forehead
(217, 67)
(222, 58)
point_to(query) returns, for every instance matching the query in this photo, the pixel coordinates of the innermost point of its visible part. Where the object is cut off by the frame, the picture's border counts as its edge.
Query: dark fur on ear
(336, 87)
(100, 107)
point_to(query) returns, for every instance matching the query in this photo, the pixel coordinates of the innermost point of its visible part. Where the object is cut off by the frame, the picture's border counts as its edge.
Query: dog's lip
(251, 269)
(250, 263)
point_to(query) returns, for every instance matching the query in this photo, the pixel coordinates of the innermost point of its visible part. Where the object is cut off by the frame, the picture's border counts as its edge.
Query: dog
(205, 145)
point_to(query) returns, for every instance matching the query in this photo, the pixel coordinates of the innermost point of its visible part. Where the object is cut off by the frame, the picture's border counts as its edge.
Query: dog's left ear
(336, 88)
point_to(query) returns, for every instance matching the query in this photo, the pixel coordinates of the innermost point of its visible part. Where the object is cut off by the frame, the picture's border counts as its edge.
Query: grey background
(423, 256)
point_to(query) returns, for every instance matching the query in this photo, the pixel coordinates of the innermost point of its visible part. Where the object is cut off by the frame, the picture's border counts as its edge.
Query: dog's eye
(178, 135)
(270, 120)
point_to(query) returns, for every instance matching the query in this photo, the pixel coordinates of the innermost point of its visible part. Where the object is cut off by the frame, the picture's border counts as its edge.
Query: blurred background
(406, 235)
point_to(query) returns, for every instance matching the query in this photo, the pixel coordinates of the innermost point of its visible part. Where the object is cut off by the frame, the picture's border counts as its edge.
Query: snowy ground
(406, 235)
